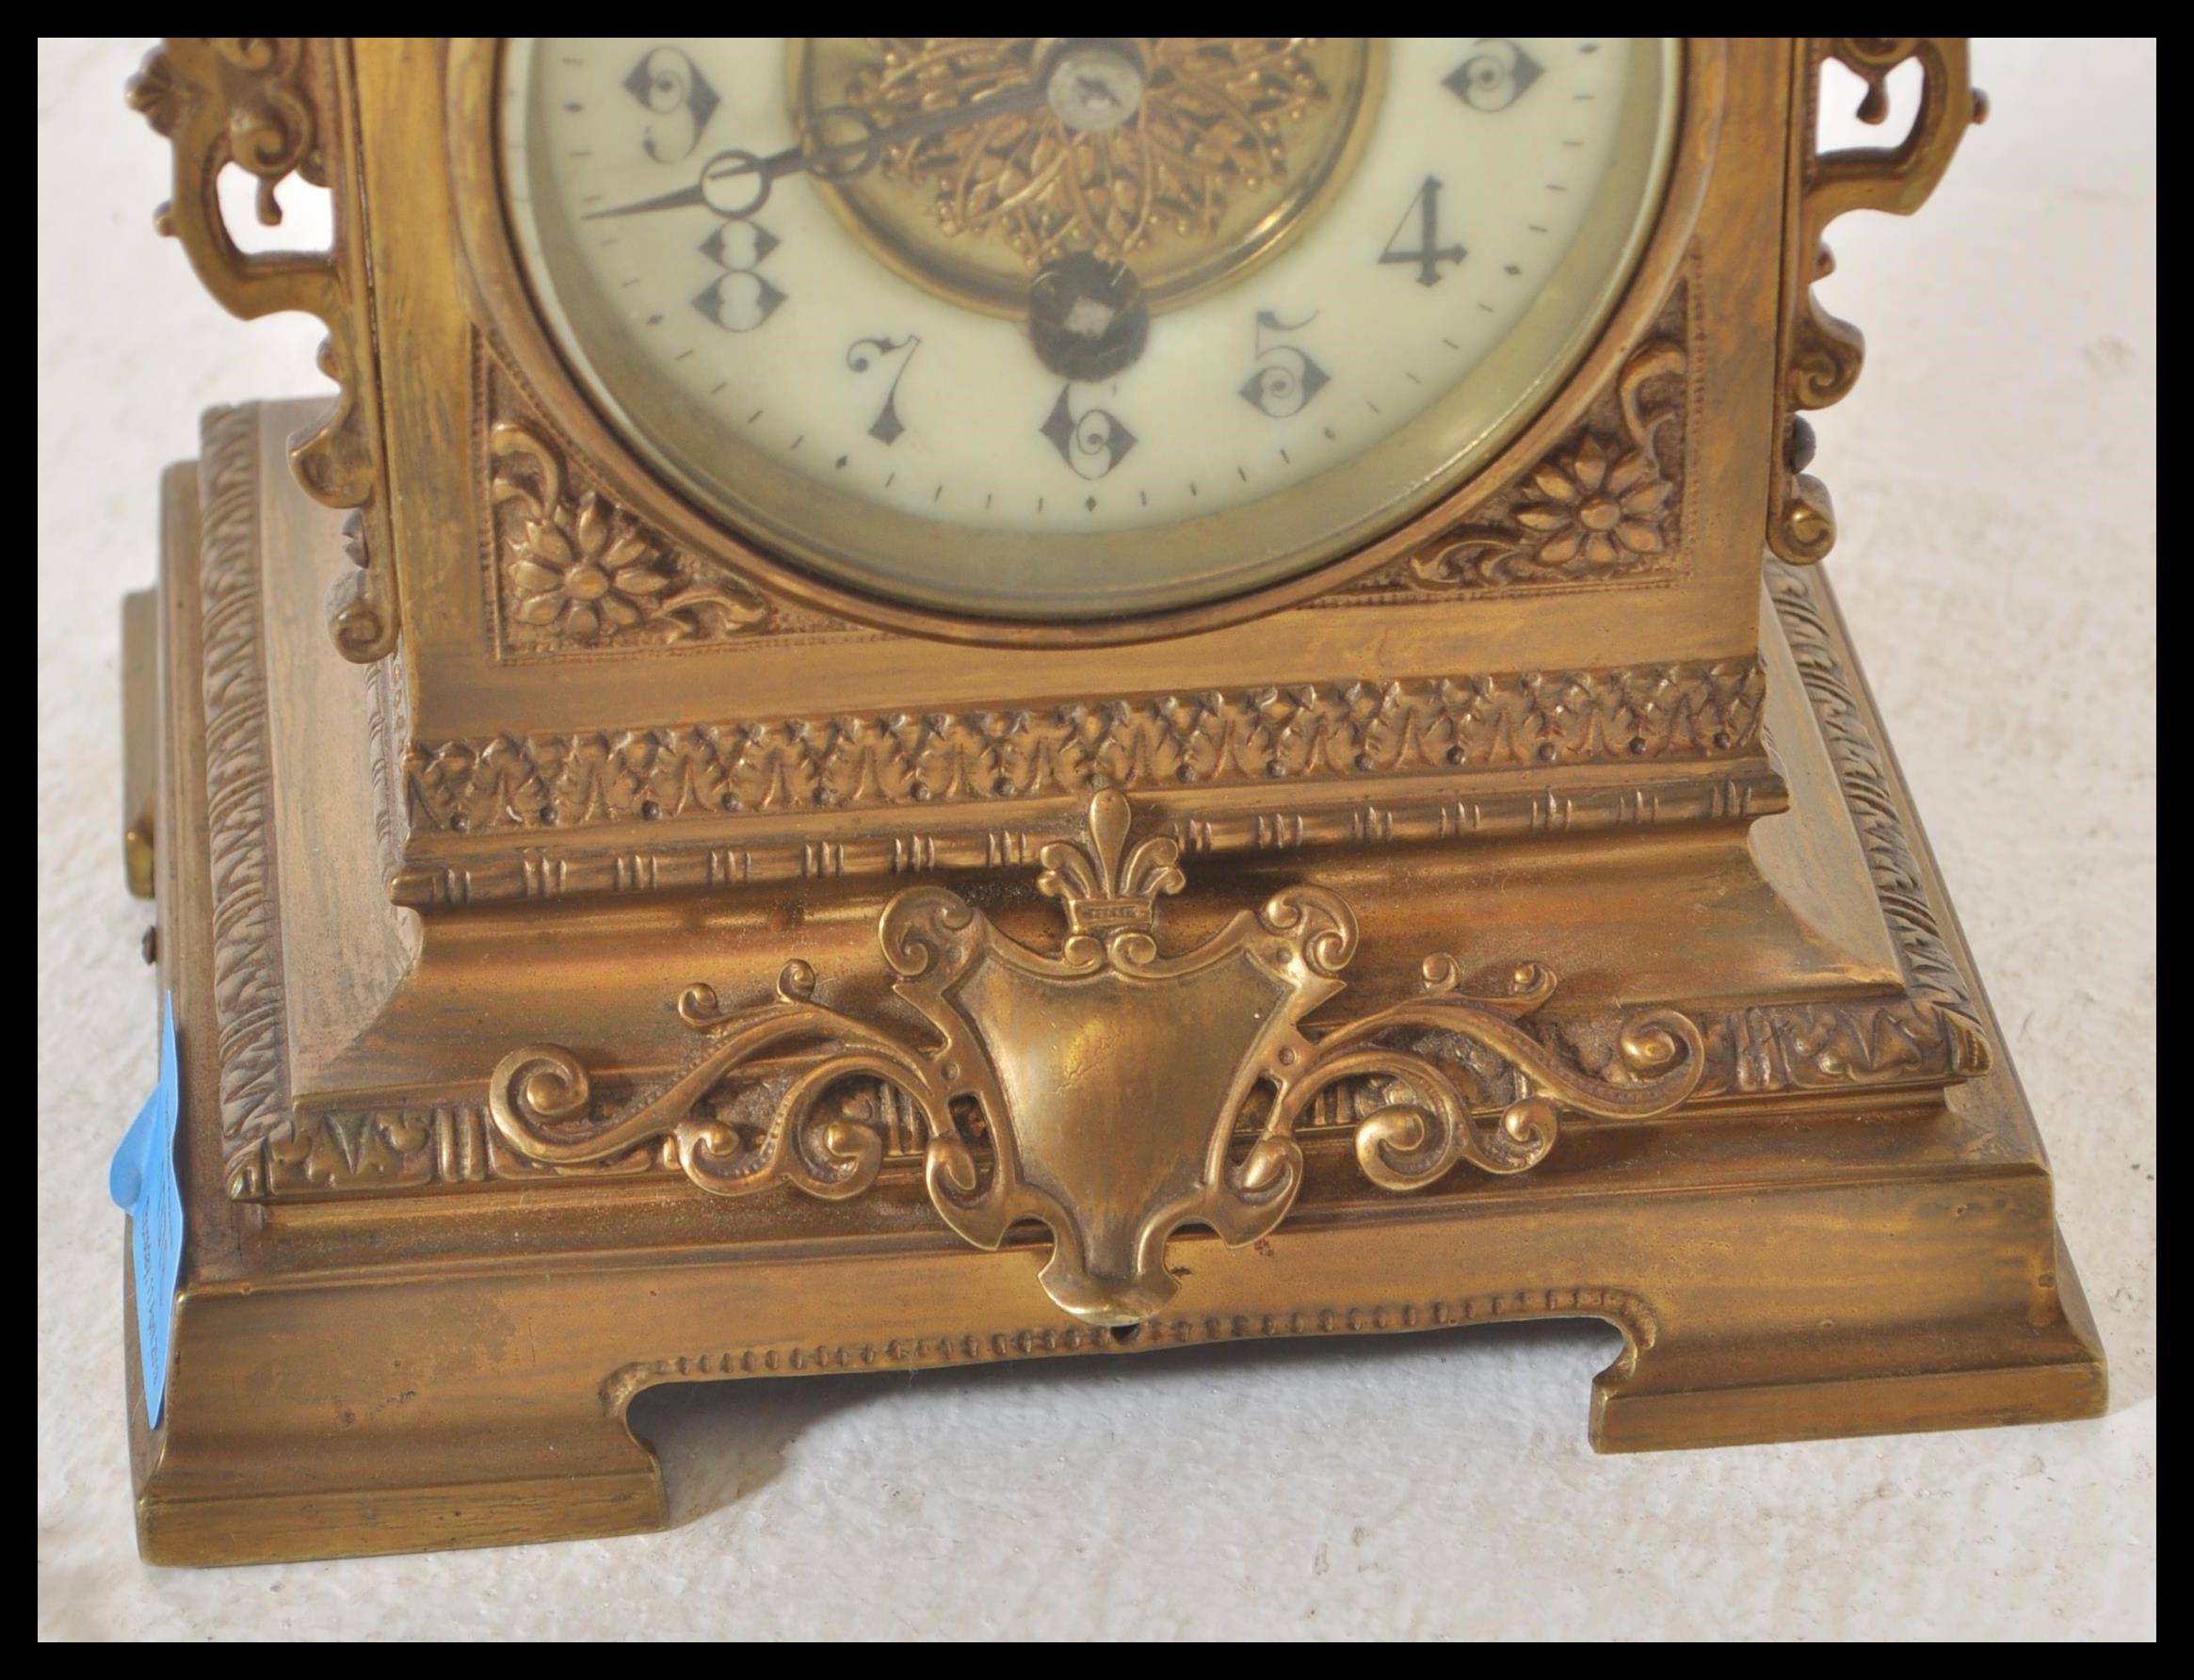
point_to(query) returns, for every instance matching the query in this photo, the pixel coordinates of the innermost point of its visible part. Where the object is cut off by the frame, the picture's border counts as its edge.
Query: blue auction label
(142, 1181)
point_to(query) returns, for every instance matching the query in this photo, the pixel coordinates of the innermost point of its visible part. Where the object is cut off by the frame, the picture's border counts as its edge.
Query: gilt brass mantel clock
(943, 700)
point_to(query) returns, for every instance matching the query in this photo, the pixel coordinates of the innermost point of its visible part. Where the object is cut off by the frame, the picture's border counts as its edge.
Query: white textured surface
(1995, 478)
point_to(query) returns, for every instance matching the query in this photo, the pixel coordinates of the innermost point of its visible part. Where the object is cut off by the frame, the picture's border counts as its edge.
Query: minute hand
(736, 183)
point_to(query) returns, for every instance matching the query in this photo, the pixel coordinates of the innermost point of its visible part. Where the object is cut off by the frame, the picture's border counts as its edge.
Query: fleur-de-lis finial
(1102, 893)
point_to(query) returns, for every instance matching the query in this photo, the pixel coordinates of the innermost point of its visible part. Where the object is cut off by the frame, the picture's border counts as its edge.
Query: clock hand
(1087, 317)
(735, 182)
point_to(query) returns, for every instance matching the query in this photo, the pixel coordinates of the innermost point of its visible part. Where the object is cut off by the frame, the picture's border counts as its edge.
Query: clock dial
(1068, 327)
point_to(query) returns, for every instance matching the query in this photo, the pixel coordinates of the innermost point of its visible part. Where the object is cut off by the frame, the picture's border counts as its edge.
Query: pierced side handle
(274, 108)
(1820, 355)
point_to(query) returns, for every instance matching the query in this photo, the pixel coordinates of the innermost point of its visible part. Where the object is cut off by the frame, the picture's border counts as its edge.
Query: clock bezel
(506, 312)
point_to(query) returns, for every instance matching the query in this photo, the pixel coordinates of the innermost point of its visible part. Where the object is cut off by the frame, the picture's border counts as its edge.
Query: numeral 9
(667, 82)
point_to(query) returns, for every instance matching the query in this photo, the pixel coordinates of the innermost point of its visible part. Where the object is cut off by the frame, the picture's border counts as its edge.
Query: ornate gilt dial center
(1191, 157)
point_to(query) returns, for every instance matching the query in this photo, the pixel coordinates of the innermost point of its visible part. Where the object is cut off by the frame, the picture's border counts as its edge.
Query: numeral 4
(1428, 253)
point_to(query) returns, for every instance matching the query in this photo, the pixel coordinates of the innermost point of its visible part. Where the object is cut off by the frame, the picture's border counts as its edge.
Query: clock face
(1064, 328)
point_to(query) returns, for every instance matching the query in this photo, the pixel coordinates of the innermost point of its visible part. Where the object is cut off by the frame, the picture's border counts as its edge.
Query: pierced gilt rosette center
(1187, 157)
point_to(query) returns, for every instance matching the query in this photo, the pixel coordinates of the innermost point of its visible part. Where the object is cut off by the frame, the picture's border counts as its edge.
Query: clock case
(786, 982)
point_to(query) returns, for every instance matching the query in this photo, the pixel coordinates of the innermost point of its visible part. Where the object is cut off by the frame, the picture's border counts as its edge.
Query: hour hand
(735, 183)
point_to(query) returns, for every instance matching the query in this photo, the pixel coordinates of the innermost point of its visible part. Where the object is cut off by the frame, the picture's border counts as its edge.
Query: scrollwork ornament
(1821, 355)
(1104, 1090)
(540, 1098)
(1415, 1137)
(271, 106)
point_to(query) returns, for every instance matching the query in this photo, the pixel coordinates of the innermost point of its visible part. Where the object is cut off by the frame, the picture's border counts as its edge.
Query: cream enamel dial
(1061, 329)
